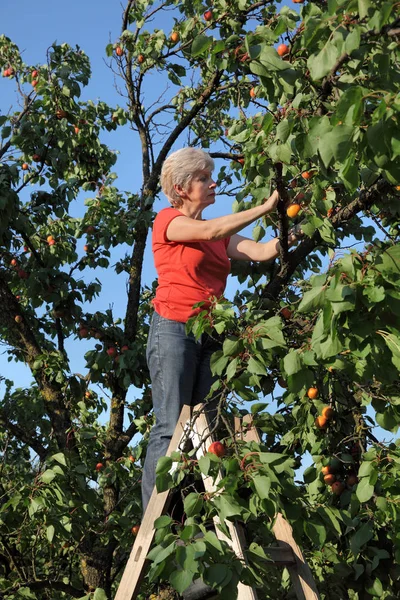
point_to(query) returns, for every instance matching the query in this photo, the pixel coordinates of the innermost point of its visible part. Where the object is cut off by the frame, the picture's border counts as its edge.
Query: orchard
(303, 98)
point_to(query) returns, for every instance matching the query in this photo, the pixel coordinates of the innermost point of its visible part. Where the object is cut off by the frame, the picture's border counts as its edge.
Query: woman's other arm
(242, 248)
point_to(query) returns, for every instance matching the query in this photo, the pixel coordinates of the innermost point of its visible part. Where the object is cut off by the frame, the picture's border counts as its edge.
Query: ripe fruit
(22, 274)
(351, 479)
(282, 383)
(217, 448)
(337, 487)
(174, 37)
(87, 248)
(298, 1)
(140, 59)
(61, 114)
(34, 82)
(208, 15)
(241, 161)
(77, 130)
(326, 470)
(52, 242)
(49, 238)
(13, 262)
(112, 351)
(36, 157)
(132, 458)
(90, 229)
(35, 74)
(398, 188)
(99, 466)
(124, 348)
(306, 175)
(321, 422)
(18, 319)
(83, 332)
(286, 313)
(293, 183)
(312, 393)
(25, 166)
(329, 478)
(282, 49)
(328, 412)
(119, 51)
(135, 529)
(253, 93)
(293, 210)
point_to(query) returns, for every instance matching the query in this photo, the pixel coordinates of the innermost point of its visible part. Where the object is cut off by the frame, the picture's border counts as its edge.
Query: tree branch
(22, 435)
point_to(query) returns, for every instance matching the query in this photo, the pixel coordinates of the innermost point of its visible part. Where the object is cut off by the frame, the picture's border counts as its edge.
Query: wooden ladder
(287, 553)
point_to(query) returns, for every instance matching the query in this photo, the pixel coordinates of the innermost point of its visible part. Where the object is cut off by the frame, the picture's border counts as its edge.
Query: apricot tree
(319, 120)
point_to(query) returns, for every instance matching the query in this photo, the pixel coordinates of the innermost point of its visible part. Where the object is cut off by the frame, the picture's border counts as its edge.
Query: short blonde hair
(180, 168)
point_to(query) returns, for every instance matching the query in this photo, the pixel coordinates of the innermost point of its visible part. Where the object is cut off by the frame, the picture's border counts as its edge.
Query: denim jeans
(180, 374)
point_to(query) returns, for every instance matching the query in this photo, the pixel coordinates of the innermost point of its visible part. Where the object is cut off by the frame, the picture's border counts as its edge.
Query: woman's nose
(213, 184)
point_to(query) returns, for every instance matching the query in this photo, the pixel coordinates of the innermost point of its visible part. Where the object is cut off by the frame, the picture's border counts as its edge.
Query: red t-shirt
(188, 272)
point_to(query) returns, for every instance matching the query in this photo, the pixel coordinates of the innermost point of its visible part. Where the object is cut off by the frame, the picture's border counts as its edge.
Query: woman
(192, 261)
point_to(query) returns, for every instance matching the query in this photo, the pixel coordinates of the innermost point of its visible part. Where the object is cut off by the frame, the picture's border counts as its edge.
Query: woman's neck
(192, 212)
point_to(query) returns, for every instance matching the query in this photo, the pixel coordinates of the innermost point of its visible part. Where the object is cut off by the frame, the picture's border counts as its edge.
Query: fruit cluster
(336, 478)
(322, 421)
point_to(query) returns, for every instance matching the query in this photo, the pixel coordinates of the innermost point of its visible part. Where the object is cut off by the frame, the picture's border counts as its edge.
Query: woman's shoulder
(161, 222)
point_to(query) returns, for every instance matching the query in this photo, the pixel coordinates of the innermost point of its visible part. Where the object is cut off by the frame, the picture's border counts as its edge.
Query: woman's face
(201, 190)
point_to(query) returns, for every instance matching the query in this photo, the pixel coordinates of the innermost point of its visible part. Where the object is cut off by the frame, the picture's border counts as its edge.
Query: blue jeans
(180, 374)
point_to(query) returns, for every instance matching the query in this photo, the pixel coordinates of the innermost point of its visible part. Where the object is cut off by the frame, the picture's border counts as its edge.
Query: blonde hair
(180, 168)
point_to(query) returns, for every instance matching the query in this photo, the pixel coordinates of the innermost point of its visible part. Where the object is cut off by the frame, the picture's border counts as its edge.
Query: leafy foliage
(320, 123)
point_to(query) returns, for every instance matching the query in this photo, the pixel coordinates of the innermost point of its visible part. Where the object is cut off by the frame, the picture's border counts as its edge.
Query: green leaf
(351, 102)
(164, 464)
(227, 507)
(316, 532)
(269, 58)
(292, 363)
(218, 362)
(364, 490)
(200, 44)
(48, 476)
(361, 537)
(312, 300)
(364, 6)
(60, 458)
(231, 369)
(162, 521)
(322, 63)
(193, 504)
(262, 485)
(99, 594)
(50, 533)
(336, 144)
(258, 407)
(217, 575)
(204, 465)
(230, 345)
(180, 580)
(256, 367)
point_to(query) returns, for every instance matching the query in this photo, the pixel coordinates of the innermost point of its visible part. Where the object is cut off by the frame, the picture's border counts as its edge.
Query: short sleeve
(161, 222)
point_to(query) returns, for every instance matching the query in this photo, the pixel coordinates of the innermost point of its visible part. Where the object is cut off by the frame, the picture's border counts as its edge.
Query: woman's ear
(179, 190)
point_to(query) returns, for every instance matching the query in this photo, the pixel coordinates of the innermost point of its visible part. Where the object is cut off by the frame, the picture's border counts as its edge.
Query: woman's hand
(271, 203)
